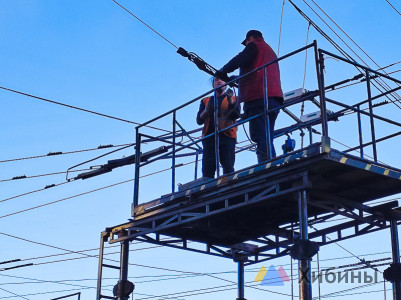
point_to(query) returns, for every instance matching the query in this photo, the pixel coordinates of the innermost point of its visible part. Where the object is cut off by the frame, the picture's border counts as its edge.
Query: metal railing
(176, 148)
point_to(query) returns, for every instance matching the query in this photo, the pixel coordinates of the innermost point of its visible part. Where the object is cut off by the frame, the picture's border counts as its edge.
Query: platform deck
(262, 200)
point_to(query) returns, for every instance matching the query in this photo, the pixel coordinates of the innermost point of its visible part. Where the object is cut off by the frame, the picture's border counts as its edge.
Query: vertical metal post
(360, 131)
(79, 296)
(137, 165)
(124, 264)
(395, 249)
(305, 287)
(310, 135)
(103, 239)
(266, 116)
(216, 134)
(241, 281)
(372, 124)
(173, 157)
(196, 164)
(319, 60)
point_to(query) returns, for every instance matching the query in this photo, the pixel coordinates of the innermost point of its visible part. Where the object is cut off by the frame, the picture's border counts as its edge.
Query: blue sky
(94, 55)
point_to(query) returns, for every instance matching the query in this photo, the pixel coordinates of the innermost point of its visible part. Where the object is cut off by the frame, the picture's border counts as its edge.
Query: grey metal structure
(249, 216)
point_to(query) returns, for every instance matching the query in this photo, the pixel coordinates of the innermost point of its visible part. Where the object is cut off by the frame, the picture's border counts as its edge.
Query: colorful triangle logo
(272, 277)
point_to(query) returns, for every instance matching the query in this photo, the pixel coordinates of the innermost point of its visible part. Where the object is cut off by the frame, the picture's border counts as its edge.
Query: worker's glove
(233, 114)
(235, 83)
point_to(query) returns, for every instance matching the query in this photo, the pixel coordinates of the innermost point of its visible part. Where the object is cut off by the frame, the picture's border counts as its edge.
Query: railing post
(266, 116)
(137, 165)
(173, 157)
(196, 164)
(372, 124)
(216, 135)
(360, 131)
(103, 239)
(319, 60)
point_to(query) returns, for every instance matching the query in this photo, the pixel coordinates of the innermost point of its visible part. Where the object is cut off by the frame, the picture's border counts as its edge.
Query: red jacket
(252, 87)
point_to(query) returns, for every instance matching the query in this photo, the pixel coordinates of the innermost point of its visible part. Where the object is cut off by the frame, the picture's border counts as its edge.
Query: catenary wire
(78, 108)
(139, 265)
(40, 175)
(379, 83)
(393, 7)
(56, 153)
(59, 248)
(281, 25)
(356, 256)
(35, 191)
(145, 24)
(13, 294)
(355, 44)
(320, 31)
(64, 199)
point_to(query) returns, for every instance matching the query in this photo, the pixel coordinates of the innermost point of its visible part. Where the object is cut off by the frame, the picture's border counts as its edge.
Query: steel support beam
(124, 264)
(241, 281)
(305, 287)
(395, 248)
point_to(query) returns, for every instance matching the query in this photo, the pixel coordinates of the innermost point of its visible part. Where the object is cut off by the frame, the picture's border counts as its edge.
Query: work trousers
(226, 154)
(257, 126)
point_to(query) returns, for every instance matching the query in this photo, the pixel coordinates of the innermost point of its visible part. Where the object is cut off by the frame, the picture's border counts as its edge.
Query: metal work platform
(265, 211)
(262, 200)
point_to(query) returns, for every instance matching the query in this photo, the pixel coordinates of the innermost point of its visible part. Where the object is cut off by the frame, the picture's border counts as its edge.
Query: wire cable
(138, 265)
(281, 25)
(356, 256)
(347, 55)
(356, 45)
(35, 191)
(14, 294)
(52, 154)
(335, 45)
(40, 175)
(145, 24)
(79, 108)
(393, 7)
(63, 199)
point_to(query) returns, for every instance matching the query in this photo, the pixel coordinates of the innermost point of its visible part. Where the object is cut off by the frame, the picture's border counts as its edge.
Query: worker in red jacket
(251, 89)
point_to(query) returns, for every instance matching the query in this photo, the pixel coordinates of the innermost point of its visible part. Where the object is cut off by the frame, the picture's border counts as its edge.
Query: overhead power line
(78, 108)
(35, 191)
(56, 153)
(356, 44)
(393, 7)
(345, 54)
(138, 265)
(67, 105)
(40, 175)
(63, 199)
(145, 24)
(13, 294)
(380, 83)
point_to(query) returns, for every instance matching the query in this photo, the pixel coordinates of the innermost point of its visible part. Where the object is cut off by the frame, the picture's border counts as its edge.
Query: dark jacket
(254, 55)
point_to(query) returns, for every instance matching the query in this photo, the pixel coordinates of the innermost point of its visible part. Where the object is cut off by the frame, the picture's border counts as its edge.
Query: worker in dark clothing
(228, 112)
(251, 89)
